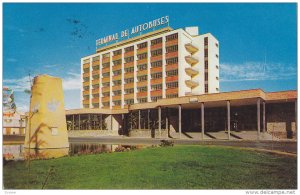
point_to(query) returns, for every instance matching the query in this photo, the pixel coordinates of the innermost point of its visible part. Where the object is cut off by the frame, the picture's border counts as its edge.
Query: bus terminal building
(164, 83)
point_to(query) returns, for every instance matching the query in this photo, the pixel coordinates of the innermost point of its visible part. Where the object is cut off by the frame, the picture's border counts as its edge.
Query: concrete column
(101, 121)
(139, 119)
(228, 118)
(167, 122)
(264, 116)
(202, 120)
(123, 124)
(73, 123)
(179, 120)
(89, 121)
(159, 121)
(111, 122)
(258, 117)
(79, 122)
(148, 119)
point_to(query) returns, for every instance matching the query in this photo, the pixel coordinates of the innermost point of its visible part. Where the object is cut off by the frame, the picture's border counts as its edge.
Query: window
(130, 69)
(154, 99)
(129, 101)
(172, 85)
(172, 48)
(142, 89)
(206, 64)
(106, 94)
(96, 67)
(96, 105)
(129, 80)
(206, 76)
(105, 65)
(106, 55)
(156, 64)
(117, 82)
(217, 56)
(129, 59)
(97, 58)
(172, 96)
(117, 92)
(217, 78)
(157, 52)
(217, 89)
(206, 53)
(172, 60)
(172, 73)
(86, 70)
(156, 41)
(142, 78)
(156, 87)
(156, 75)
(105, 75)
(86, 61)
(117, 72)
(142, 100)
(106, 104)
(96, 76)
(95, 95)
(142, 67)
(142, 45)
(206, 41)
(96, 86)
(118, 52)
(217, 45)
(86, 97)
(128, 49)
(206, 88)
(106, 84)
(85, 79)
(129, 91)
(171, 37)
(217, 67)
(142, 56)
(86, 88)
(117, 62)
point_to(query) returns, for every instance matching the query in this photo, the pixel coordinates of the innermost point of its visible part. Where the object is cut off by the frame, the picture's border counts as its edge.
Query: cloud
(17, 84)
(72, 81)
(255, 71)
(51, 66)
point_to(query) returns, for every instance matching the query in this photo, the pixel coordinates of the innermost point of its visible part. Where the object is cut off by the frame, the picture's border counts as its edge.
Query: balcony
(105, 70)
(191, 60)
(128, 96)
(105, 79)
(116, 97)
(172, 54)
(95, 72)
(156, 81)
(116, 77)
(171, 67)
(117, 67)
(86, 101)
(86, 65)
(142, 61)
(156, 58)
(143, 50)
(87, 74)
(128, 75)
(129, 64)
(117, 87)
(86, 92)
(191, 72)
(128, 85)
(95, 100)
(142, 72)
(172, 42)
(191, 48)
(96, 63)
(142, 83)
(191, 84)
(156, 93)
(87, 83)
(172, 78)
(96, 81)
(105, 60)
(105, 99)
(95, 91)
(156, 69)
(128, 54)
(171, 91)
(117, 57)
(105, 89)
(141, 94)
(156, 46)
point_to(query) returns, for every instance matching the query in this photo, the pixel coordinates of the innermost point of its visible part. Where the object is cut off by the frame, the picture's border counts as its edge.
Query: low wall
(93, 133)
(146, 133)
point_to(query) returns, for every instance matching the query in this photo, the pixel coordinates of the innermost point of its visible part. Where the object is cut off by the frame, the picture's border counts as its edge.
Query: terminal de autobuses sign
(134, 31)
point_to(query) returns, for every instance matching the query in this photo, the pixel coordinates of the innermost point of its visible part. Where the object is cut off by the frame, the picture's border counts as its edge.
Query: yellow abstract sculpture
(46, 131)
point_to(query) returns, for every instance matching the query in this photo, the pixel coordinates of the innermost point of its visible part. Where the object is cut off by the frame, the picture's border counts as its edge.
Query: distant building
(13, 122)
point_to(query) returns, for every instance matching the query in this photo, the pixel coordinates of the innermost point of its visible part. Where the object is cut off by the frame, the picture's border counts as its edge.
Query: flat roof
(237, 98)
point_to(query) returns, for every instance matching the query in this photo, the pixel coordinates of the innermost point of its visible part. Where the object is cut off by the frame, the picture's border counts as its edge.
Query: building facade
(161, 64)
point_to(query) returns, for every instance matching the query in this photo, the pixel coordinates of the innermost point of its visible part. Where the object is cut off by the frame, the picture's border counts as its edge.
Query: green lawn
(178, 167)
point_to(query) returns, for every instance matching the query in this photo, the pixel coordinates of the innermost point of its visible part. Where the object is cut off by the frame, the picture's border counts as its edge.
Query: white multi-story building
(161, 64)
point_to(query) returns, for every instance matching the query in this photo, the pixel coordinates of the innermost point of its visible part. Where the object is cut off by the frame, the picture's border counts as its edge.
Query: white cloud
(72, 81)
(256, 71)
(17, 84)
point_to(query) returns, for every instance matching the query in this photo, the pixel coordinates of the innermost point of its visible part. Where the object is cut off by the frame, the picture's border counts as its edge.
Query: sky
(258, 41)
